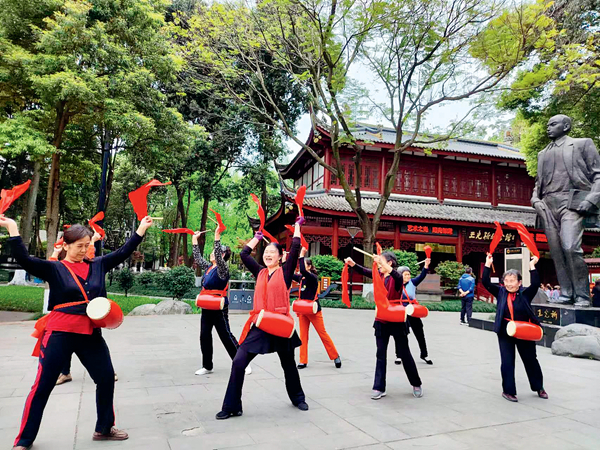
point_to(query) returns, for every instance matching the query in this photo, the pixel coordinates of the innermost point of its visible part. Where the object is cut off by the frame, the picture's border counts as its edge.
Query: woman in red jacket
(271, 293)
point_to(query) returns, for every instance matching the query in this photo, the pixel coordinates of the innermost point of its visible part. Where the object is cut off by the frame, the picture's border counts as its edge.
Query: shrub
(450, 272)
(145, 279)
(125, 279)
(178, 281)
(328, 266)
(408, 259)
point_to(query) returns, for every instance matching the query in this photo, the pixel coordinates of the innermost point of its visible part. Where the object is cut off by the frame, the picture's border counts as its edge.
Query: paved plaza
(164, 406)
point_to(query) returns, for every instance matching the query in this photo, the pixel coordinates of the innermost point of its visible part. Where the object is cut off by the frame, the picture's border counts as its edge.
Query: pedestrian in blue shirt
(466, 290)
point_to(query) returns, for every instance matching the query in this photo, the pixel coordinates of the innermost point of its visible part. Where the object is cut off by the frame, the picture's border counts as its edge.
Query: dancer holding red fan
(385, 266)
(214, 286)
(68, 329)
(409, 295)
(309, 287)
(514, 307)
(270, 327)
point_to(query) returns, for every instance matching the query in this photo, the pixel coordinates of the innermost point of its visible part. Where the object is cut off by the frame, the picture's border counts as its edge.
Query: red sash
(42, 323)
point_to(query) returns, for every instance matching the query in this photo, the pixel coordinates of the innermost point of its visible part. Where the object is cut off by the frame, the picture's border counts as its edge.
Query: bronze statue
(567, 190)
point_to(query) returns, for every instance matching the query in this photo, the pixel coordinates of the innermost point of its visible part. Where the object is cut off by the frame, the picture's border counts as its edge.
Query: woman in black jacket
(521, 298)
(67, 329)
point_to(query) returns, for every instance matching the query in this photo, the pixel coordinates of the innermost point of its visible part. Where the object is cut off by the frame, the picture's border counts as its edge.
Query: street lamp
(352, 231)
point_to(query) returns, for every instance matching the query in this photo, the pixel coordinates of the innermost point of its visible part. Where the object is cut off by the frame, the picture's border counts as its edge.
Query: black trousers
(383, 331)
(57, 348)
(466, 308)
(220, 321)
(66, 370)
(528, 355)
(417, 327)
(233, 395)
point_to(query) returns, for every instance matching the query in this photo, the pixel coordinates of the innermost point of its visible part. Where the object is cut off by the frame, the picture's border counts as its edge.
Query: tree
(561, 79)
(125, 279)
(450, 272)
(424, 54)
(178, 281)
(328, 266)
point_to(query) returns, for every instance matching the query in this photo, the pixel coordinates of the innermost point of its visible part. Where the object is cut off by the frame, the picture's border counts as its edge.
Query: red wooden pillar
(327, 173)
(494, 185)
(397, 236)
(335, 237)
(459, 246)
(440, 182)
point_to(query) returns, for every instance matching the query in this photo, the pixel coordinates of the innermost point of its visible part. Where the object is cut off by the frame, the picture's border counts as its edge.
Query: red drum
(526, 331)
(206, 301)
(277, 324)
(105, 313)
(414, 310)
(395, 313)
(305, 307)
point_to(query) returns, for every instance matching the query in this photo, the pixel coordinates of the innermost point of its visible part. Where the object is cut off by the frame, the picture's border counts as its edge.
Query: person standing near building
(513, 293)
(309, 283)
(466, 289)
(215, 282)
(386, 265)
(596, 295)
(410, 289)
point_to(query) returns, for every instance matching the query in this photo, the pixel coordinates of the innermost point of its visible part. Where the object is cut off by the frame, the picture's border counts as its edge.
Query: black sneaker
(338, 362)
(222, 415)
(302, 406)
(301, 366)
(398, 361)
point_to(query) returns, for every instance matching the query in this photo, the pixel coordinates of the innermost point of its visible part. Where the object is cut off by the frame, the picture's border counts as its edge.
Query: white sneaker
(203, 371)
(248, 370)
(376, 395)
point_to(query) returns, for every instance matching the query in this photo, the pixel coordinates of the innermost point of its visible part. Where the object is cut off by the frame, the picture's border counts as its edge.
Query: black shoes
(542, 394)
(398, 361)
(510, 398)
(302, 406)
(222, 415)
(338, 362)
(301, 366)
(428, 361)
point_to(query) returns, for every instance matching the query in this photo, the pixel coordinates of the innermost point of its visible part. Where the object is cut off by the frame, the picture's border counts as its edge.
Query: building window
(466, 182)
(369, 173)
(514, 187)
(415, 178)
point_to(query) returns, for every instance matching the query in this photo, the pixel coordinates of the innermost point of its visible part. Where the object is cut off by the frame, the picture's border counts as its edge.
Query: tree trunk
(53, 195)
(52, 203)
(202, 238)
(174, 250)
(31, 201)
(182, 213)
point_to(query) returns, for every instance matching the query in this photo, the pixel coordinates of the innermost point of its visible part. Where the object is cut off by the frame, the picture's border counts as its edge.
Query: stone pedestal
(563, 315)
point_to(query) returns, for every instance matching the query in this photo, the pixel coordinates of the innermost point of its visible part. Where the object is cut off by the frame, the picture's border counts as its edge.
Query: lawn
(31, 299)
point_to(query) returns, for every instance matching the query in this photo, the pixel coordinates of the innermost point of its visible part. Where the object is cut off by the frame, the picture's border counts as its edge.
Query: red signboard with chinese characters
(438, 230)
(539, 237)
(486, 235)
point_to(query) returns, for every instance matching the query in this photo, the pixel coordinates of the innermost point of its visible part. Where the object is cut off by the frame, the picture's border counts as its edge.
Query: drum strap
(409, 299)
(41, 323)
(511, 309)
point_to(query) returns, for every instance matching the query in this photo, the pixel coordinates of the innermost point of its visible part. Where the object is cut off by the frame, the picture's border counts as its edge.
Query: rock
(577, 329)
(579, 346)
(172, 307)
(143, 310)
(367, 292)
(369, 297)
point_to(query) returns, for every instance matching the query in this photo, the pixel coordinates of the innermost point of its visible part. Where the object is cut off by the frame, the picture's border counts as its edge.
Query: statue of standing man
(567, 189)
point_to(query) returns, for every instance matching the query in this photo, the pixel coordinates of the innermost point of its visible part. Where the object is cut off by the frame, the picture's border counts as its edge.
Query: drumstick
(156, 218)
(210, 218)
(363, 252)
(421, 262)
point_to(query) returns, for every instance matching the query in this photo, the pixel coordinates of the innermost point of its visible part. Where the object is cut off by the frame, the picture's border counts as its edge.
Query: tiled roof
(425, 210)
(460, 145)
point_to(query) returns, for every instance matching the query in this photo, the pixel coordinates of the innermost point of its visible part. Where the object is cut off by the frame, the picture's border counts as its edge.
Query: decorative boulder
(582, 341)
(143, 310)
(172, 307)
(577, 329)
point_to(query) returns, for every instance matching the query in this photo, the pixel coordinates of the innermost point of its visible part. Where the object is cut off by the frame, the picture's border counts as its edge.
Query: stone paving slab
(164, 406)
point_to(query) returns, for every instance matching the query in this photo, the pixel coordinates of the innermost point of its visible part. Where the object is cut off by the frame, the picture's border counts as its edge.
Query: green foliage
(146, 278)
(328, 266)
(408, 259)
(596, 253)
(178, 281)
(125, 279)
(450, 272)
(445, 305)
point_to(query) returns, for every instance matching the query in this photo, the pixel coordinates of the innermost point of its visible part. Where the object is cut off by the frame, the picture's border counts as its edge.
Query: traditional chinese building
(447, 197)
